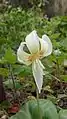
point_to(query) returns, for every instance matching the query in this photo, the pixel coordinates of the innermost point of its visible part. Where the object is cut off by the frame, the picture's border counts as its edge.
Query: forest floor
(13, 102)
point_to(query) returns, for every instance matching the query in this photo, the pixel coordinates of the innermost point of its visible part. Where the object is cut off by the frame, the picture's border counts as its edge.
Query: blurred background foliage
(16, 23)
(50, 7)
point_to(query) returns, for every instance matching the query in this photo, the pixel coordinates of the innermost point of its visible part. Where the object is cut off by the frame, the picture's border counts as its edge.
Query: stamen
(35, 56)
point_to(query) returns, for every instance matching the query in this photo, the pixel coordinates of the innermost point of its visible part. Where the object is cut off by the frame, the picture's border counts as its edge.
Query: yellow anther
(35, 56)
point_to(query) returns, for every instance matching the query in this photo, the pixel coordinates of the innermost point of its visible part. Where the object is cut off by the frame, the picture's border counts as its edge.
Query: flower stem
(38, 106)
(37, 98)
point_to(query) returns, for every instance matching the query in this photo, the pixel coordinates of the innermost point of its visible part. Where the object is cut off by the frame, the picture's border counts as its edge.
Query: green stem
(12, 77)
(38, 105)
(58, 69)
(37, 98)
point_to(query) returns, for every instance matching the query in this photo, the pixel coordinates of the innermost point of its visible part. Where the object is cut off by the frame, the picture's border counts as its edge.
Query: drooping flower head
(38, 48)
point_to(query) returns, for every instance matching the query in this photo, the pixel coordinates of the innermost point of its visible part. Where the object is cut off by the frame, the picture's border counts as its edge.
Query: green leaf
(63, 114)
(4, 72)
(55, 36)
(31, 110)
(9, 84)
(22, 70)
(52, 98)
(64, 77)
(64, 43)
(21, 115)
(10, 56)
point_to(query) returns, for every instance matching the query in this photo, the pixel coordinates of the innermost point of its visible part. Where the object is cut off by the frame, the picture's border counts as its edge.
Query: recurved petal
(38, 74)
(22, 56)
(46, 45)
(32, 42)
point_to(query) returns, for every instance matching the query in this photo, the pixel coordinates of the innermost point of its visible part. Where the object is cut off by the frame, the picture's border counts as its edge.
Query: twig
(55, 77)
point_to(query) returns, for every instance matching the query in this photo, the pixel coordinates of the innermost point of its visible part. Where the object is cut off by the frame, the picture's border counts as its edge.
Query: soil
(59, 91)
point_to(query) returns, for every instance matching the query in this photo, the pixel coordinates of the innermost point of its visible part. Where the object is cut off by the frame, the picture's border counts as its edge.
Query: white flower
(57, 52)
(38, 48)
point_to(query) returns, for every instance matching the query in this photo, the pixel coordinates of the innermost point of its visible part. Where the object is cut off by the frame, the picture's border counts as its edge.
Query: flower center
(35, 56)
